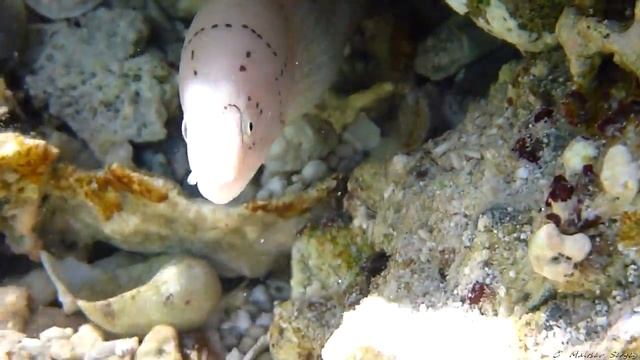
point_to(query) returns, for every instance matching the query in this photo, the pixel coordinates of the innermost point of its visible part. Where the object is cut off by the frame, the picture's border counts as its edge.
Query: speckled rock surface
(455, 218)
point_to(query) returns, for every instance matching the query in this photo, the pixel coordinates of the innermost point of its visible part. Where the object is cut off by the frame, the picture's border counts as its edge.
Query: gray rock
(453, 45)
(62, 9)
(97, 78)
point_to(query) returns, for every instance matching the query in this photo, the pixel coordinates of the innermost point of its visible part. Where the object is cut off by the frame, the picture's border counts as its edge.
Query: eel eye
(184, 130)
(246, 125)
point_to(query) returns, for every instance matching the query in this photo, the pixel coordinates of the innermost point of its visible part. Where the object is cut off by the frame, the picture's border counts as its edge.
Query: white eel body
(247, 67)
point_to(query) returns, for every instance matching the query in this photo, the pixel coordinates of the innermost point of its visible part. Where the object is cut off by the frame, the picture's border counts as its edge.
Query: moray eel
(248, 67)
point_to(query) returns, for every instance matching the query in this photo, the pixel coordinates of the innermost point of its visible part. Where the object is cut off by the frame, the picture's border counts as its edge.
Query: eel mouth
(214, 146)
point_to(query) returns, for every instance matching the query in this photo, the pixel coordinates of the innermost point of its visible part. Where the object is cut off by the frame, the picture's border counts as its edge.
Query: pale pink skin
(233, 81)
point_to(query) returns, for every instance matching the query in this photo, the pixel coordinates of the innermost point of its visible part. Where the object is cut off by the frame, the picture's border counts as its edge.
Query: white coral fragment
(499, 22)
(300, 142)
(578, 153)
(161, 343)
(174, 290)
(554, 255)
(586, 40)
(620, 175)
(14, 309)
(378, 329)
(459, 6)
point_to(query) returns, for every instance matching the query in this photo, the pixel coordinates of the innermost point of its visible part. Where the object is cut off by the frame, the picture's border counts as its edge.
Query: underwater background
(446, 179)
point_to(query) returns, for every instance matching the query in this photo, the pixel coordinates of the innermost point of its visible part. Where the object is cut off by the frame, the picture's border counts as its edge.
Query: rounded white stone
(363, 134)
(314, 171)
(553, 255)
(620, 175)
(578, 153)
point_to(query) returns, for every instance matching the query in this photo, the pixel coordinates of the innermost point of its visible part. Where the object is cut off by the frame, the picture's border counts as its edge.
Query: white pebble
(264, 319)
(295, 188)
(161, 343)
(578, 153)
(241, 320)
(345, 150)
(399, 164)
(263, 194)
(234, 354)
(30, 345)
(85, 339)
(522, 173)
(252, 309)
(278, 147)
(10, 340)
(296, 178)
(119, 347)
(230, 340)
(260, 297)
(363, 134)
(61, 349)
(314, 171)
(620, 175)
(276, 185)
(56, 333)
(255, 332)
(246, 344)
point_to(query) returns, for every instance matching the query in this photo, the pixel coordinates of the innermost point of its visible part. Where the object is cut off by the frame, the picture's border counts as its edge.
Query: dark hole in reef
(100, 250)
(229, 284)
(375, 264)
(12, 264)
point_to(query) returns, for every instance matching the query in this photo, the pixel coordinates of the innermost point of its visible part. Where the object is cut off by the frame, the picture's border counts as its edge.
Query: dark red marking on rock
(561, 190)
(543, 114)
(478, 291)
(529, 148)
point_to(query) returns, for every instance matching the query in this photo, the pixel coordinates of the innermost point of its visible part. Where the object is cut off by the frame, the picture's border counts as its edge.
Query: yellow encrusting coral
(25, 165)
(137, 212)
(104, 189)
(341, 112)
(629, 232)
